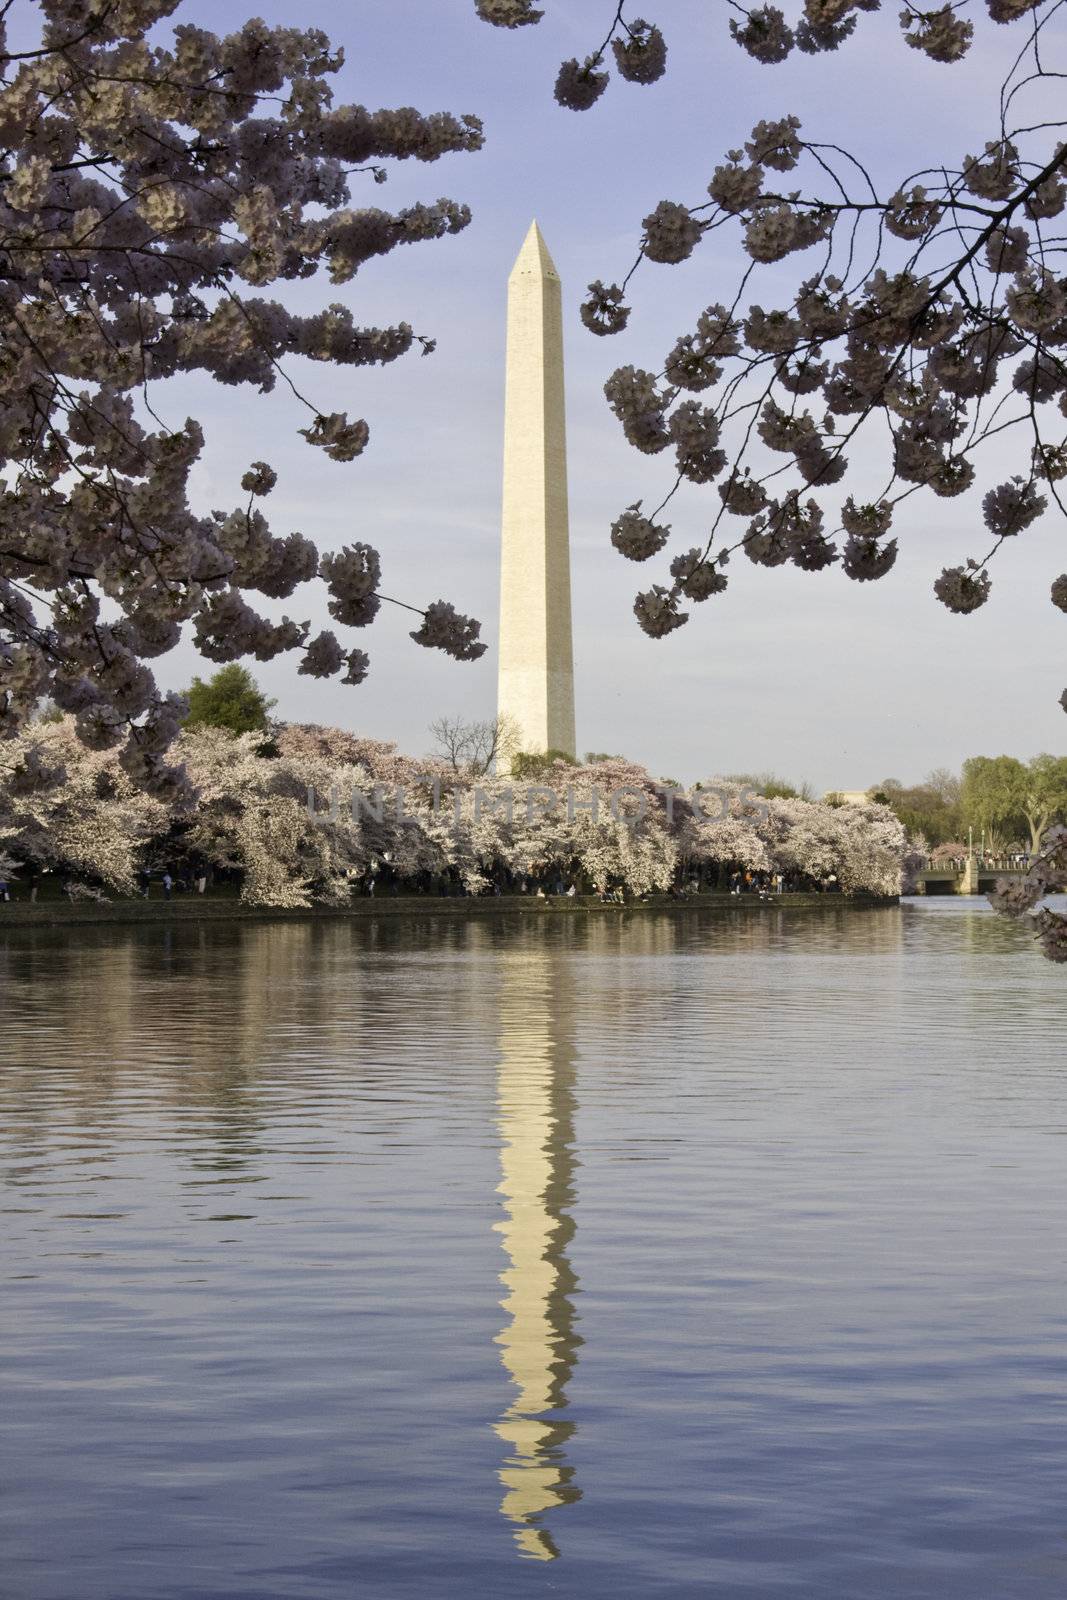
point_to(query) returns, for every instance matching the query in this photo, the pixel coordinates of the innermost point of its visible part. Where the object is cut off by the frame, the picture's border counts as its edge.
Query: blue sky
(809, 674)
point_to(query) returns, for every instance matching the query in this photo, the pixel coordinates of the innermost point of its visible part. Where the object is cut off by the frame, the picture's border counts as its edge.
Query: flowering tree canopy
(933, 312)
(318, 810)
(149, 193)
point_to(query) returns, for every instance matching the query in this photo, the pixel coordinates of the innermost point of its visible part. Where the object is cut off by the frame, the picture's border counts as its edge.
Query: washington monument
(536, 685)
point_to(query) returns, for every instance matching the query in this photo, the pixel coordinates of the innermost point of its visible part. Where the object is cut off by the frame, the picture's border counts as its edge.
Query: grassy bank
(208, 908)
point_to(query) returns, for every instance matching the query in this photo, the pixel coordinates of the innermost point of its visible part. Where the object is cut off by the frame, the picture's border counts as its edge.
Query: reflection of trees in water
(206, 1017)
(539, 1342)
(69, 1004)
(209, 1022)
(158, 1017)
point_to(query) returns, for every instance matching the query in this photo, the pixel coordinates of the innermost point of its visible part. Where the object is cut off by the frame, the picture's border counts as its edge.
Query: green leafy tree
(1045, 796)
(993, 794)
(771, 787)
(231, 699)
(930, 809)
(536, 763)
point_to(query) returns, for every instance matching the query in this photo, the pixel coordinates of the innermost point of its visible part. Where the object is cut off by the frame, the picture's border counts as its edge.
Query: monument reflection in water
(539, 1342)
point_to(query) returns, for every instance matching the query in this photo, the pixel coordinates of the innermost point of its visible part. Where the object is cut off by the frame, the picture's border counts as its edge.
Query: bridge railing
(1012, 863)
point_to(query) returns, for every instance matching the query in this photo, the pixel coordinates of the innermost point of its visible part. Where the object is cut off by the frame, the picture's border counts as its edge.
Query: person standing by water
(168, 884)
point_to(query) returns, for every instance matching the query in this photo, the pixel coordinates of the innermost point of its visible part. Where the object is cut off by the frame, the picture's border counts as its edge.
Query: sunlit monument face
(536, 685)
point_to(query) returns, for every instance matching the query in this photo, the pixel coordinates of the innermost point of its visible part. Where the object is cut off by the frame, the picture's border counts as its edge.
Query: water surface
(647, 1255)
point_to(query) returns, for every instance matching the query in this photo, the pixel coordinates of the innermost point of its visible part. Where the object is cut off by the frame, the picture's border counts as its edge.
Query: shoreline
(51, 914)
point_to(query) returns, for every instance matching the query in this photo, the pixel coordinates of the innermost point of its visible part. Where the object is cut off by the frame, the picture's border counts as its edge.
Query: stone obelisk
(536, 683)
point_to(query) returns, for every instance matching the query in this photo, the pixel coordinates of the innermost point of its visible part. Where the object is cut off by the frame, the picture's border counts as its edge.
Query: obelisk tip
(534, 257)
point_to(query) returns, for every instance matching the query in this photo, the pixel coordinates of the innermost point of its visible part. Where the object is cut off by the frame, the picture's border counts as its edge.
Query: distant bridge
(972, 874)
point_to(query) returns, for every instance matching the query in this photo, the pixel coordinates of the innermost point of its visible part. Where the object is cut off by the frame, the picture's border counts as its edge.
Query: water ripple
(665, 1255)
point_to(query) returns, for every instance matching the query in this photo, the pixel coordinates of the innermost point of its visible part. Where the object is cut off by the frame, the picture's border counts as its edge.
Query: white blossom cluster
(149, 191)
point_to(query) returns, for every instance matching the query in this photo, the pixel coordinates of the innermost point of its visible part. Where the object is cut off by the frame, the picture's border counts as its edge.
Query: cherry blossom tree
(606, 822)
(863, 847)
(251, 818)
(151, 190)
(68, 807)
(723, 841)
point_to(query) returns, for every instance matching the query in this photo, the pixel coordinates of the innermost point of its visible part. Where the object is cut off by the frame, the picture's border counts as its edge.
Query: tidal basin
(661, 1254)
